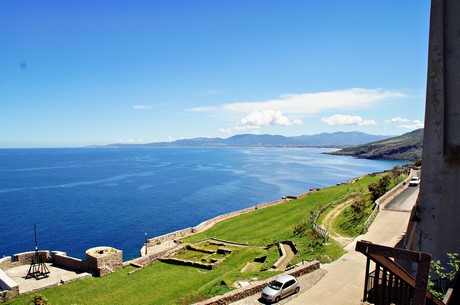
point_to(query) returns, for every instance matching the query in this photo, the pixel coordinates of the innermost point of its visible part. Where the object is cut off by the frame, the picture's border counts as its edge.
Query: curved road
(344, 281)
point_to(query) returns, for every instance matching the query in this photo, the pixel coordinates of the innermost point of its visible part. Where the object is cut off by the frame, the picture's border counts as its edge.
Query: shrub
(38, 299)
(445, 278)
(301, 227)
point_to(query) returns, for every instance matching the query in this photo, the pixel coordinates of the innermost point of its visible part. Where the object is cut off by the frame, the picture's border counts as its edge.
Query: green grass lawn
(162, 283)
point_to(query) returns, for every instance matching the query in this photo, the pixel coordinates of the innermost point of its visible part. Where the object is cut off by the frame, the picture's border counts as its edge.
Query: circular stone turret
(104, 260)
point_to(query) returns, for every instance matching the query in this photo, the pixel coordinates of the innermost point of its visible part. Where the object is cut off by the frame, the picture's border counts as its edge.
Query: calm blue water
(81, 198)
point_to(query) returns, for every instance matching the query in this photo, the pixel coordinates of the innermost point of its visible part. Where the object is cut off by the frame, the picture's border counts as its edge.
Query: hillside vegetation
(405, 147)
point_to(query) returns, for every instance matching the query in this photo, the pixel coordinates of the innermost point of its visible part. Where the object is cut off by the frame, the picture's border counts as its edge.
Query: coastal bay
(81, 198)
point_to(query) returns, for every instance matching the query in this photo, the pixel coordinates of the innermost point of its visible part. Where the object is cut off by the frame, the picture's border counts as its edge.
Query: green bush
(445, 278)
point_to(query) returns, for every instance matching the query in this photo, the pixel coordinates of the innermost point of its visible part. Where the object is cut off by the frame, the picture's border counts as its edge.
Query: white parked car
(279, 288)
(414, 181)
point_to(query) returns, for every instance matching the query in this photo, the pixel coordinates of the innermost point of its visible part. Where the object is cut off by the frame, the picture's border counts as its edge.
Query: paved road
(404, 202)
(344, 281)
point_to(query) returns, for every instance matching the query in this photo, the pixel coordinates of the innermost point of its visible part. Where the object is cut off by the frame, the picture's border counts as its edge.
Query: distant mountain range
(336, 139)
(405, 147)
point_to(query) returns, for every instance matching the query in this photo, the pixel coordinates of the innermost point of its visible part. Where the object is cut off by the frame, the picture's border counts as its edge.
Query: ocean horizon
(81, 198)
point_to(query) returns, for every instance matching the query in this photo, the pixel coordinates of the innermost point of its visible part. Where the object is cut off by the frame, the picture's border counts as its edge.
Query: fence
(321, 231)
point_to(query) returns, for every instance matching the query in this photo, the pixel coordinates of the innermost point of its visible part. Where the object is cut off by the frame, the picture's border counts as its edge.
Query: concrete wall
(437, 204)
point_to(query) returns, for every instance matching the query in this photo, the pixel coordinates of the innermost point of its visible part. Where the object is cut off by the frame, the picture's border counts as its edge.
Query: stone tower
(435, 224)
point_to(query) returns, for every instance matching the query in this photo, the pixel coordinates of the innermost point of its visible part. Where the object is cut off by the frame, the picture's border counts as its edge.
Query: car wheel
(297, 290)
(277, 299)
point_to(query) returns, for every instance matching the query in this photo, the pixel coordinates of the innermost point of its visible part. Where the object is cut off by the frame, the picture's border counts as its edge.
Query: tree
(377, 190)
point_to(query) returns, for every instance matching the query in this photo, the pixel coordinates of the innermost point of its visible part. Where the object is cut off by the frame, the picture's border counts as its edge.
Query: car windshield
(275, 285)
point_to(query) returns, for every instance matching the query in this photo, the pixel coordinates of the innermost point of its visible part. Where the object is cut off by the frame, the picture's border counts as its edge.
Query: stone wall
(210, 223)
(6, 263)
(25, 258)
(183, 262)
(257, 287)
(104, 260)
(9, 287)
(62, 260)
(144, 261)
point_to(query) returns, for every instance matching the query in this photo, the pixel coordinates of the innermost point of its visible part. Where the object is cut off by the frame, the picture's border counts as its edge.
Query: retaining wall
(257, 287)
(395, 191)
(209, 223)
(151, 258)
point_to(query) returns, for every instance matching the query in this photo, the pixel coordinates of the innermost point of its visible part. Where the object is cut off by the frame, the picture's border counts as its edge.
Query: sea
(79, 198)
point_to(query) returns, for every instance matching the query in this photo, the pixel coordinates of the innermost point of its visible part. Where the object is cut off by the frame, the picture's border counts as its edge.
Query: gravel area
(306, 282)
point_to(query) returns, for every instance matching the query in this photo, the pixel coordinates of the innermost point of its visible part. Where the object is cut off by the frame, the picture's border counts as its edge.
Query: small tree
(395, 174)
(358, 207)
(439, 286)
(377, 190)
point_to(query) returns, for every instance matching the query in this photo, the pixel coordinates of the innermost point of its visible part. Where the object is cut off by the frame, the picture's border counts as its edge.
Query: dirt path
(329, 219)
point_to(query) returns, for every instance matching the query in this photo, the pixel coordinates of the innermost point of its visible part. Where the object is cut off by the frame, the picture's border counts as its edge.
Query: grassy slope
(345, 225)
(168, 284)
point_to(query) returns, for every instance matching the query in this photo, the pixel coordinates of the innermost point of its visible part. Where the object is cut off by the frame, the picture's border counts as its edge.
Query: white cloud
(279, 111)
(141, 107)
(310, 103)
(268, 117)
(257, 119)
(340, 119)
(415, 124)
(406, 123)
(397, 120)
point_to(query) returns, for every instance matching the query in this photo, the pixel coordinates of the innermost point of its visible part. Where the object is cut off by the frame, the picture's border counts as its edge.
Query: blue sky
(75, 73)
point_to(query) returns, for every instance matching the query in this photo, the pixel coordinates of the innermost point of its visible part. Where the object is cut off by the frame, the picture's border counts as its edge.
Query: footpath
(344, 281)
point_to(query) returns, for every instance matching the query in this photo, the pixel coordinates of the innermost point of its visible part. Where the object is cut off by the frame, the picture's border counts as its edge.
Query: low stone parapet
(62, 260)
(25, 258)
(257, 287)
(182, 262)
(10, 288)
(6, 263)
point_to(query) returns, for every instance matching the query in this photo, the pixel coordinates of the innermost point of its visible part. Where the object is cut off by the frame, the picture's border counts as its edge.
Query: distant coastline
(326, 140)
